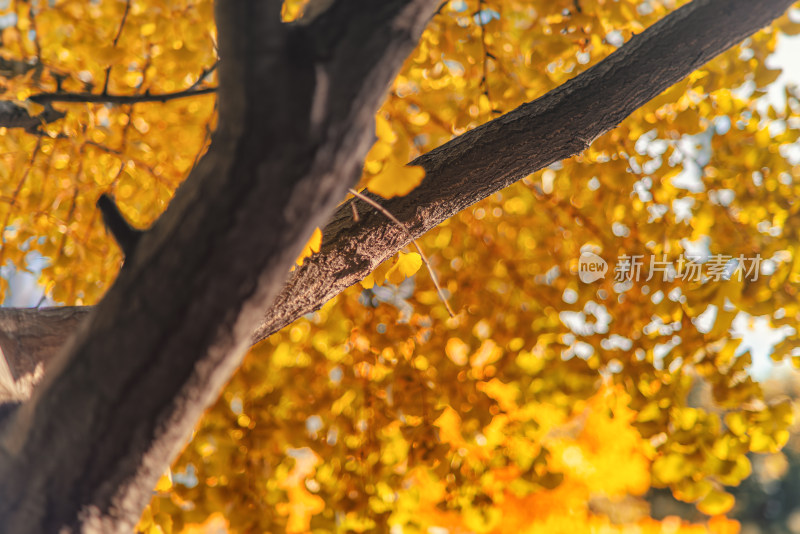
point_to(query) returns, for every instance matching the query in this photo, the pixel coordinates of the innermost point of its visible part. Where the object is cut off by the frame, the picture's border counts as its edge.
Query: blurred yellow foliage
(314, 242)
(546, 404)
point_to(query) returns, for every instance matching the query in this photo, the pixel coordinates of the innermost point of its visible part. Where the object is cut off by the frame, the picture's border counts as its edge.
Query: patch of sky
(393, 295)
(7, 20)
(459, 6)
(24, 290)
(485, 16)
(759, 338)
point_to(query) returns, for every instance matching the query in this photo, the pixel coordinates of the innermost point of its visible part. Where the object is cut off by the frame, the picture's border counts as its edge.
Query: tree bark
(115, 407)
(29, 340)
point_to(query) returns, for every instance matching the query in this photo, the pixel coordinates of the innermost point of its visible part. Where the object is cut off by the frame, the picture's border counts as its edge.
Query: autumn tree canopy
(234, 131)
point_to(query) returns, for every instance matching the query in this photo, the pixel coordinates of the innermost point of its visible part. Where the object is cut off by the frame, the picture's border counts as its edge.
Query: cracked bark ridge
(84, 451)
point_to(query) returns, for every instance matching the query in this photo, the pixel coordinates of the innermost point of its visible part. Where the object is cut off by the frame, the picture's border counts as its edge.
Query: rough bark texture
(118, 403)
(29, 340)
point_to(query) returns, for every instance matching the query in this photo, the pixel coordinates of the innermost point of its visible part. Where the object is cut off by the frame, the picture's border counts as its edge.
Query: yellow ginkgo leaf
(368, 282)
(301, 507)
(311, 247)
(376, 156)
(449, 425)
(165, 482)
(505, 394)
(384, 130)
(716, 502)
(378, 275)
(396, 180)
(457, 351)
(406, 266)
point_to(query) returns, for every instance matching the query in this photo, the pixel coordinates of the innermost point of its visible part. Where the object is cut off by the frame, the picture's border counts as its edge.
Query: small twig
(414, 241)
(124, 158)
(116, 40)
(15, 196)
(206, 140)
(89, 98)
(32, 17)
(486, 55)
(105, 83)
(127, 236)
(122, 22)
(203, 75)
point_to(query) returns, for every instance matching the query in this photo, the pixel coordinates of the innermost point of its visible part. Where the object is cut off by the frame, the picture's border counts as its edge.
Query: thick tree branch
(126, 236)
(108, 417)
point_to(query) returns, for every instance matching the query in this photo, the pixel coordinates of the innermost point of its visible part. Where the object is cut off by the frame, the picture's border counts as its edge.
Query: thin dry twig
(203, 75)
(95, 98)
(479, 17)
(116, 40)
(414, 241)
